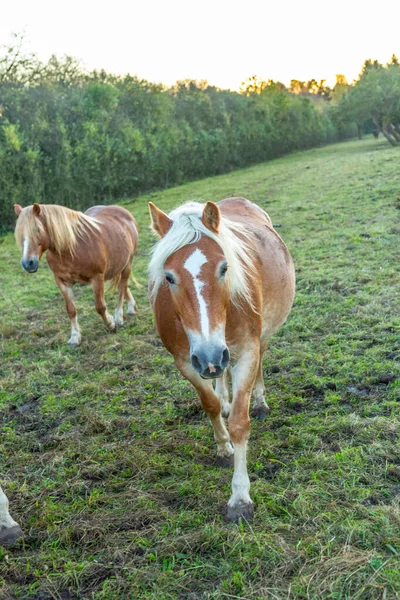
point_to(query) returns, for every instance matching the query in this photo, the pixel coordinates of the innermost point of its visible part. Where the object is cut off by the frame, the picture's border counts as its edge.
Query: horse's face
(196, 277)
(32, 236)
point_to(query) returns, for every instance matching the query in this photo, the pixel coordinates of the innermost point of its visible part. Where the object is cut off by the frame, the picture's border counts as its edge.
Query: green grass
(108, 458)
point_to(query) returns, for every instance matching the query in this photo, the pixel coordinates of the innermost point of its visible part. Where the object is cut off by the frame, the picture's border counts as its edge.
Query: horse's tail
(135, 281)
(115, 281)
(114, 284)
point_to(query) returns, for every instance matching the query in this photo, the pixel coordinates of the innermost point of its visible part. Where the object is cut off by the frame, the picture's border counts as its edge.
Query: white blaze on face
(25, 248)
(193, 264)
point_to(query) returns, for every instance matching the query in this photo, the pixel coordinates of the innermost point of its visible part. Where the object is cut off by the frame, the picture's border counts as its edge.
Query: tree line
(76, 138)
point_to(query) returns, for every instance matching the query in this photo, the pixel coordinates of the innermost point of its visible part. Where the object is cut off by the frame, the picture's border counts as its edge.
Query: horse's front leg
(68, 294)
(222, 391)
(212, 405)
(101, 307)
(9, 529)
(243, 376)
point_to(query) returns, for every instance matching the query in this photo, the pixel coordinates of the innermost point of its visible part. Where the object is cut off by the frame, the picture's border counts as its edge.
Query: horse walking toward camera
(9, 529)
(221, 282)
(91, 247)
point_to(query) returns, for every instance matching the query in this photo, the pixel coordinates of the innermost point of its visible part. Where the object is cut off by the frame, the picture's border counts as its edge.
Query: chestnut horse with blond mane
(221, 282)
(91, 247)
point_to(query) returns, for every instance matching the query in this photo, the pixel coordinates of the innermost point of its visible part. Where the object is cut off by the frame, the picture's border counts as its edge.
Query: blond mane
(64, 226)
(187, 228)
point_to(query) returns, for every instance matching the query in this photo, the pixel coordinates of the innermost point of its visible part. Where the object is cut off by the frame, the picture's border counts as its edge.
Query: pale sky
(221, 41)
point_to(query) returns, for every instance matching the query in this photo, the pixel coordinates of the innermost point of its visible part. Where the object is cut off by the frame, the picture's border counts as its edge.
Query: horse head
(31, 235)
(196, 277)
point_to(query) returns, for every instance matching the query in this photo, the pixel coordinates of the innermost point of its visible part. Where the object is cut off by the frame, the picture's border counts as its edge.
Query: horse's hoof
(224, 462)
(260, 412)
(118, 325)
(73, 345)
(9, 535)
(241, 510)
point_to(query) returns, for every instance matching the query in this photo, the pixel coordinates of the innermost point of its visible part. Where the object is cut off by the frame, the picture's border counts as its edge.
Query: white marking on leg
(109, 320)
(259, 397)
(221, 436)
(6, 520)
(240, 481)
(131, 310)
(119, 316)
(76, 336)
(193, 264)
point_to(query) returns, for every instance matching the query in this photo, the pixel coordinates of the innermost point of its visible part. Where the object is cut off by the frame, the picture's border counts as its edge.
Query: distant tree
(323, 90)
(16, 65)
(370, 64)
(64, 71)
(340, 88)
(298, 87)
(376, 96)
(253, 85)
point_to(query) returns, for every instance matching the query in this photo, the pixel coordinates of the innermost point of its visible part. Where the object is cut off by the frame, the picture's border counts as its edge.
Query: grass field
(108, 458)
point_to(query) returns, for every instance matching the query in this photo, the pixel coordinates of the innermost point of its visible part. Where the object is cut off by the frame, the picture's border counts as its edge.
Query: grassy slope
(108, 458)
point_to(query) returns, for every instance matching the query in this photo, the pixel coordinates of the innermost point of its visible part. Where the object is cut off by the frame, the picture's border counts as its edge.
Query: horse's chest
(69, 271)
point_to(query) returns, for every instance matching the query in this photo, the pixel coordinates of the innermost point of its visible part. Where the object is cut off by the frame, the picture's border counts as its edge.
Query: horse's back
(111, 213)
(118, 242)
(241, 209)
(115, 221)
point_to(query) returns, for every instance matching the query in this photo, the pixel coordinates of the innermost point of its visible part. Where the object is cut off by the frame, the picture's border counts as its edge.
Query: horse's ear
(211, 217)
(18, 209)
(36, 209)
(160, 222)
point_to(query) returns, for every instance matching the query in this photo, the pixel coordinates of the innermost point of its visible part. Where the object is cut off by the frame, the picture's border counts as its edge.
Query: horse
(221, 282)
(91, 247)
(9, 529)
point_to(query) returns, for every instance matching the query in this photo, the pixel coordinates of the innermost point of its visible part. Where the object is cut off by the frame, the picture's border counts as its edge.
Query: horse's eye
(170, 279)
(224, 269)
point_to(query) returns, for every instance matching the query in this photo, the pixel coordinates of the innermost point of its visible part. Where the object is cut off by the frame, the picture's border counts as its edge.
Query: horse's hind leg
(101, 307)
(124, 293)
(9, 529)
(68, 294)
(131, 310)
(260, 407)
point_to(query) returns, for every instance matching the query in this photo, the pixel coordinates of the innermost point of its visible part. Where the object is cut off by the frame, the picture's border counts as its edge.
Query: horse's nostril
(196, 363)
(225, 358)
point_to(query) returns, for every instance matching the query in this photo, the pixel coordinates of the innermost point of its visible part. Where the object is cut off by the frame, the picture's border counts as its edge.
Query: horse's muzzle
(30, 265)
(210, 363)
